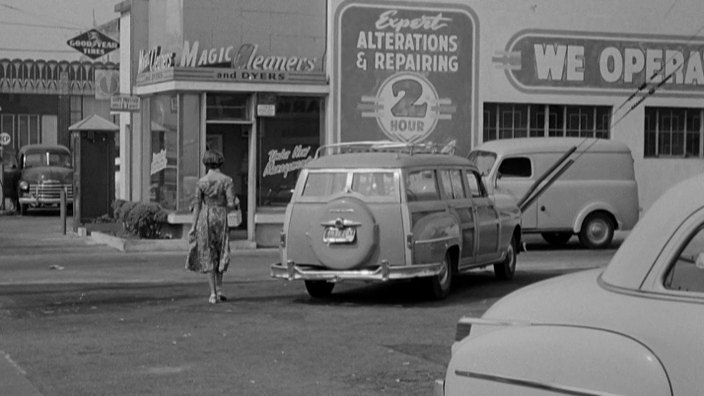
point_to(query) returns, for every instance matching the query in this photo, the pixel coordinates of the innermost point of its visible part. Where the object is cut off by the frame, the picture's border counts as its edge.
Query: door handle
(542, 208)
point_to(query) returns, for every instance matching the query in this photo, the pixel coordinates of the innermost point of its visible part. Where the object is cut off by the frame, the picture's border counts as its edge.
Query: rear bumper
(384, 272)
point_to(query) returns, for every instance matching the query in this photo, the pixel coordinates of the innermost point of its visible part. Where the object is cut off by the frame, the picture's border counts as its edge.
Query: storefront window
(189, 138)
(164, 159)
(287, 142)
(227, 107)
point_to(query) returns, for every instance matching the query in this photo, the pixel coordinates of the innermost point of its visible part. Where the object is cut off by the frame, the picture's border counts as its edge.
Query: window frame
(654, 137)
(500, 120)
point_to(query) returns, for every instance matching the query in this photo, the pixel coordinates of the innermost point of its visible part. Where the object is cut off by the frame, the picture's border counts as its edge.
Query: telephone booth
(93, 145)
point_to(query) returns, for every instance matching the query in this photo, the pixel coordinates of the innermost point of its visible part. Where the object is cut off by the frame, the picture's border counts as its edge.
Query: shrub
(141, 219)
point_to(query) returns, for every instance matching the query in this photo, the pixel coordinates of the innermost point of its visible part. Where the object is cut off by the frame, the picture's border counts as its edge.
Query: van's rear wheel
(441, 283)
(597, 231)
(319, 289)
(505, 269)
(556, 238)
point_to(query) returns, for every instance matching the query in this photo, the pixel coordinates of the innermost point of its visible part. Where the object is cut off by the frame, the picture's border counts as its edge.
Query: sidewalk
(34, 250)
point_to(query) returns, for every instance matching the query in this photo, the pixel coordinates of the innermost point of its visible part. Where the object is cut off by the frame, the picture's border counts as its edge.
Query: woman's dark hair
(213, 159)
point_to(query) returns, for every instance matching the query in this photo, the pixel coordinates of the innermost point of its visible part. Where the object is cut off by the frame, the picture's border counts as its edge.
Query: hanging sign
(125, 103)
(93, 44)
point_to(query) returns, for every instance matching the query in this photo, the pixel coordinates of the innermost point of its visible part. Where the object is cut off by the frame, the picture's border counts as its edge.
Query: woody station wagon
(380, 211)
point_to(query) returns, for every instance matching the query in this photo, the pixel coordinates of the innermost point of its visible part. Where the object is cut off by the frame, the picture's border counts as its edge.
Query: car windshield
(47, 159)
(483, 160)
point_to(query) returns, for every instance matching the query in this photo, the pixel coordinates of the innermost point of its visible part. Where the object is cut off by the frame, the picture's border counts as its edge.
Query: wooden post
(62, 206)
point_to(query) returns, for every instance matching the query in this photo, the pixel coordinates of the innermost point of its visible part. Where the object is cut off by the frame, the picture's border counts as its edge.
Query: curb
(168, 245)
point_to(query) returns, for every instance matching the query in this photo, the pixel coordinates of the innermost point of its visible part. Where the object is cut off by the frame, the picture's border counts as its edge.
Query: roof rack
(381, 146)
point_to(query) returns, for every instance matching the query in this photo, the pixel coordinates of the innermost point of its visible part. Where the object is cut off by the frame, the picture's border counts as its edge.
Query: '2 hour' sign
(405, 72)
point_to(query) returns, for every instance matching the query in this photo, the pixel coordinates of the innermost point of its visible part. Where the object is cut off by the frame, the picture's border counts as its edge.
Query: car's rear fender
(554, 359)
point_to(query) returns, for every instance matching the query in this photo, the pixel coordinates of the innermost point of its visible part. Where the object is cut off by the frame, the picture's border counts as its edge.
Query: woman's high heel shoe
(213, 299)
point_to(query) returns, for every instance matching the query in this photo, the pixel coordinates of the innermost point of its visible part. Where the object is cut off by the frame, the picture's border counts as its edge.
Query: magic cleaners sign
(227, 63)
(569, 62)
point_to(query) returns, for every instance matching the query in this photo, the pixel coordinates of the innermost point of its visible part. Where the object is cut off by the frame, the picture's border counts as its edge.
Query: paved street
(78, 318)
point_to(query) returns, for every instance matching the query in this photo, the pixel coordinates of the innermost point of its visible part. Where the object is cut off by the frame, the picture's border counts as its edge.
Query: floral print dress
(214, 194)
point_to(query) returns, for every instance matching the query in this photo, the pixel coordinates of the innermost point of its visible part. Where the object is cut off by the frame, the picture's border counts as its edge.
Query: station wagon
(381, 211)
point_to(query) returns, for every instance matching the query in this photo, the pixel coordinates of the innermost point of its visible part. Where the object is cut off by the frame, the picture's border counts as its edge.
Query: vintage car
(45, 171)
(380, 211)
(631, 328)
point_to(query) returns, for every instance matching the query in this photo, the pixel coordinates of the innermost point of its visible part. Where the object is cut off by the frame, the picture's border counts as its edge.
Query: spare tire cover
(344, 213)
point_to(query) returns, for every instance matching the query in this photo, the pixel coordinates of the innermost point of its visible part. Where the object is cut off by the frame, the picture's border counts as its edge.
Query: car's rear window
(323, 184)
(374, 184)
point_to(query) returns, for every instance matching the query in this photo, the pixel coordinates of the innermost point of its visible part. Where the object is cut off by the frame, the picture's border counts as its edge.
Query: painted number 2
(406, 106)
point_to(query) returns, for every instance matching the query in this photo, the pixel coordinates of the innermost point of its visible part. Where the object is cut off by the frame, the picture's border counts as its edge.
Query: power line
(34, 14)
(39, 25)
(650, 82)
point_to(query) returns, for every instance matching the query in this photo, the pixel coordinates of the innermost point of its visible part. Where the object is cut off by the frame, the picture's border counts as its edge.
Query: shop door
(232, 140)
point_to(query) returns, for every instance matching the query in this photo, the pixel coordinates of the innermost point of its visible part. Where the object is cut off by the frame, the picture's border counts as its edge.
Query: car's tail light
(282, 242)
(462, 331)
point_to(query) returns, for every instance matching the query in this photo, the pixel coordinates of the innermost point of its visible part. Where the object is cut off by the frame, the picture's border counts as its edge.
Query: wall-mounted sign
(247, 57)
(93, 44)
(107, 83)
(406, 72)
(154, 60)
(243, 63)
(266, 110)
(125, 103)
(5, 139)
(574, 62)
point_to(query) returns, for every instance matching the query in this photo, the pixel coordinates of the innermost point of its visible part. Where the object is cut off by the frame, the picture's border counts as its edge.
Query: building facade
(40, 99)
(269, 82)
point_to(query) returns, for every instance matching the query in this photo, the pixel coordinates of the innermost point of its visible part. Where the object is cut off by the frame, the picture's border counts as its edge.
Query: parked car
(596, 194)
(631, 328)
(45, 170)
(384, 211)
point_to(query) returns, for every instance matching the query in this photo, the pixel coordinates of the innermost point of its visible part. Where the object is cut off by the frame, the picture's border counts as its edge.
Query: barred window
(514, 120)
(673, 132)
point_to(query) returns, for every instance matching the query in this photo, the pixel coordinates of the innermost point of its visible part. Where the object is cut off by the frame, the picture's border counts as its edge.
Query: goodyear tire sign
(93, 44)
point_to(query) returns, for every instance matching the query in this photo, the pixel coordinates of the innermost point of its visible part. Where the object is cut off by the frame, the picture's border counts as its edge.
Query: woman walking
(214, 195)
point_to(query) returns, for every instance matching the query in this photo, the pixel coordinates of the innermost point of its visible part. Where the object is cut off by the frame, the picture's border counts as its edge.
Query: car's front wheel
(441, 283)
(319, 289)
(23, 209)
(505, 269)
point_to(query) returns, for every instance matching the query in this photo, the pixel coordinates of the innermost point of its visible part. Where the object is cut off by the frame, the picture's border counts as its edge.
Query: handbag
(234, 217)
(192, 261)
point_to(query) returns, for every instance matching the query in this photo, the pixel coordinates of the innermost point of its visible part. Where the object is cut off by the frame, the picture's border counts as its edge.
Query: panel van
(593, 195)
